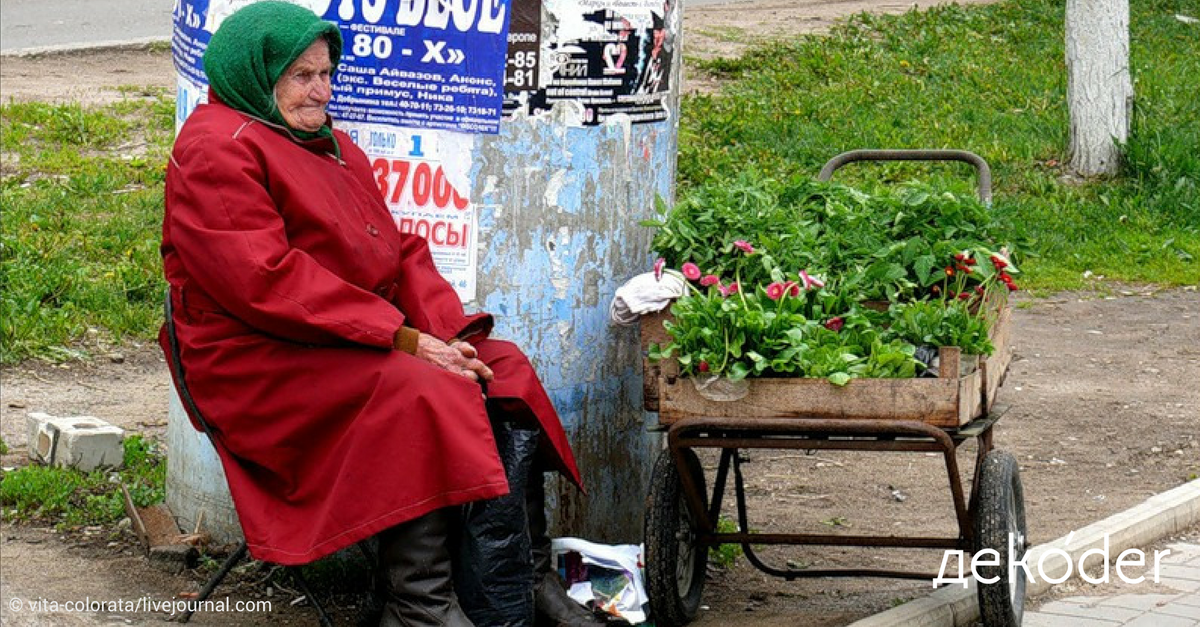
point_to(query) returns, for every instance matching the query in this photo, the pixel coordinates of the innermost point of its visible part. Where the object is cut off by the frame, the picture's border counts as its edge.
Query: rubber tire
(1001, 509)
(666, 517)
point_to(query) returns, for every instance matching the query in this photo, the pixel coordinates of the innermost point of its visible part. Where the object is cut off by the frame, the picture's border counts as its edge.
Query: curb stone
(92, 46)
(1159, 516)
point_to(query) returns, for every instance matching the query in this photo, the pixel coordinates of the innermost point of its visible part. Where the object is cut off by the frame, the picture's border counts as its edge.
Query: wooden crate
(951, 400)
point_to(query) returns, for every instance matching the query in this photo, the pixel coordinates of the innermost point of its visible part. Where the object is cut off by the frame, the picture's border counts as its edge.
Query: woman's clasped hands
(458, 357)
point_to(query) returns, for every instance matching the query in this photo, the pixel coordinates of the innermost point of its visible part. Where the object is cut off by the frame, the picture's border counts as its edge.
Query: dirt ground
(1104, 413)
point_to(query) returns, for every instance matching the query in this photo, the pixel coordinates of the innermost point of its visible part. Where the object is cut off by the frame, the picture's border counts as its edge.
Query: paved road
(26, 24)
(39, 23)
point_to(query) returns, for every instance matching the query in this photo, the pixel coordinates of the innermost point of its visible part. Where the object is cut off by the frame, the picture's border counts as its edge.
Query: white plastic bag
(613, 580)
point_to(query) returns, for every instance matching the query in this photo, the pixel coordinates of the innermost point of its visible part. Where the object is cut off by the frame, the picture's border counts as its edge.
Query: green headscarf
(253, 47)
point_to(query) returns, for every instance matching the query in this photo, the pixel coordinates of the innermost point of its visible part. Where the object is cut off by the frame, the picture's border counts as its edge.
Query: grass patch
(70, 498)
(82, 195)
(724, 555)
(990, 79)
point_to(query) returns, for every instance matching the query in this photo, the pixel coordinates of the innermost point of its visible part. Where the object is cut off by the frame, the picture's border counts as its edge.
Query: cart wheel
(675, 562)
(1001, 515)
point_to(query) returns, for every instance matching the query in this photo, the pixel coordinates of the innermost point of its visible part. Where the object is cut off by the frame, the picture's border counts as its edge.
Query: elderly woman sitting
(349, 394)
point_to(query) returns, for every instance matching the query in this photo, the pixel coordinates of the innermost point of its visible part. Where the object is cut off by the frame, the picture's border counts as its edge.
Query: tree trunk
(1099, 90)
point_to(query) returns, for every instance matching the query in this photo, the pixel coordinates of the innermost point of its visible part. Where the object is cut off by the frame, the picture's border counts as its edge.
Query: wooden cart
(909, 415)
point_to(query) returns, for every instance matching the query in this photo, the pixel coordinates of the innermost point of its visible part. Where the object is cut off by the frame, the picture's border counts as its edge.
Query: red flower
(999, 262)
(959, 256)
(775, 290)
(745, 246)
(1005, 277)
(691, 271)
(730, 289)
(979, 289)
(949, 271)
(835, 324)
(703, 366)
(936, 290)
(963, 296)
(1012, 287)
(710, 279)
(793, 289)
(970, 261)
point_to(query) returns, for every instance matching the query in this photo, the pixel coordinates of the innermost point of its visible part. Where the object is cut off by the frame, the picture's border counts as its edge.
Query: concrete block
(1037, 619)
(1140, 602)
(82, 442)
(1179, 610)
(1160, 620)
(1089, 610)
(1180, 571)
(1182, 585)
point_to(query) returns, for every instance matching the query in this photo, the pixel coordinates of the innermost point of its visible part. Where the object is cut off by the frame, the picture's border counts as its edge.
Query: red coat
(288, 279)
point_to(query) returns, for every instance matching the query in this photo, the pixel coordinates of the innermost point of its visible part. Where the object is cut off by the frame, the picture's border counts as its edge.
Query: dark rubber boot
(493, 571)
(415, 574)
(554, 607)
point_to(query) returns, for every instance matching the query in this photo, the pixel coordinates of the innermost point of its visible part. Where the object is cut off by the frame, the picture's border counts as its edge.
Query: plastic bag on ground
(608, 576)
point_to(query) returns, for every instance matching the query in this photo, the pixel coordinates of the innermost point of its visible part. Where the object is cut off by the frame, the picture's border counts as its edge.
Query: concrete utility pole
(1099, 89)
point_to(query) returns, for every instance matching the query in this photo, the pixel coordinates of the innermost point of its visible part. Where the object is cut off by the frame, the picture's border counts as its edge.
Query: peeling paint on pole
(560, 208)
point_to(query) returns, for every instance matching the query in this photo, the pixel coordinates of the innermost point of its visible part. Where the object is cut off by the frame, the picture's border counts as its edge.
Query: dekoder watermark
(991, 559)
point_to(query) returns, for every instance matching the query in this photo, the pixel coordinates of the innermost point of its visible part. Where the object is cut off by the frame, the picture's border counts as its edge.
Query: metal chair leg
(216, 580)
(300, 581)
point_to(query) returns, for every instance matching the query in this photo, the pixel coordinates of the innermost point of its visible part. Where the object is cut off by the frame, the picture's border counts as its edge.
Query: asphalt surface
(27, 24)
(34, 24)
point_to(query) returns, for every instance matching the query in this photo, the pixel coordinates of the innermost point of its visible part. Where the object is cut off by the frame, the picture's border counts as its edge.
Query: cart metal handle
(966, 156)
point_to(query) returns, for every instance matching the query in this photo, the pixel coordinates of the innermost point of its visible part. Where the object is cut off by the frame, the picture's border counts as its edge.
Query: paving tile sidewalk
(1174, 602)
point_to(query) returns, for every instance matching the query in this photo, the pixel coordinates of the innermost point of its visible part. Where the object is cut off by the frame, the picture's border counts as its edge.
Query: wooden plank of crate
(970, 399)
(652, 332)
(931, 400)
(996, 366)
(949, 358)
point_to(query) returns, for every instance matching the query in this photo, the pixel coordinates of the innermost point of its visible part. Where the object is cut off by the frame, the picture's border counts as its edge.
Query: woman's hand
(459, 357)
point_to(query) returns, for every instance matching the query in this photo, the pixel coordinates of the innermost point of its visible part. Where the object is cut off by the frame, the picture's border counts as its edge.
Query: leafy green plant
(71, 498)
(938, 323)
(898, 247)
(781, 330)
(889, 245)
(724, 555)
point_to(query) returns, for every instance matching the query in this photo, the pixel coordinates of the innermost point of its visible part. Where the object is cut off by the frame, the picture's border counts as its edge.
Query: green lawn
(990, 79)
(82, 197)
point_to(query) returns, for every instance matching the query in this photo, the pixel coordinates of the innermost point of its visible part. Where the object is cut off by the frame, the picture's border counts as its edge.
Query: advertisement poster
(423, 177)
(610, 56)
(436, 64)
(521, 77)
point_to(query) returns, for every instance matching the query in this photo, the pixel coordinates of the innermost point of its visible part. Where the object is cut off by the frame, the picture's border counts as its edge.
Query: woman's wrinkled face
(304, 89)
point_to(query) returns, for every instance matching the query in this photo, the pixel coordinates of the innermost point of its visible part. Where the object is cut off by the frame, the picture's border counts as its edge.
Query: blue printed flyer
(436, 64)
